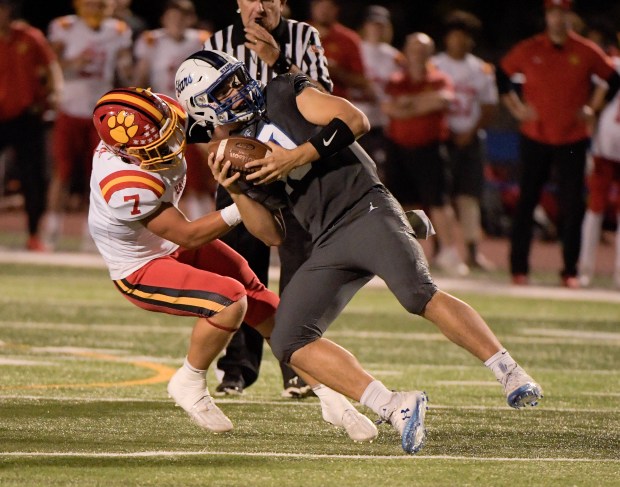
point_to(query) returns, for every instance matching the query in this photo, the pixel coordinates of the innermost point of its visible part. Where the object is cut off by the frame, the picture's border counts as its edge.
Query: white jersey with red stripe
(474, 85)
(122, 194)
(83, 87)
(165, 54)
(606, 140)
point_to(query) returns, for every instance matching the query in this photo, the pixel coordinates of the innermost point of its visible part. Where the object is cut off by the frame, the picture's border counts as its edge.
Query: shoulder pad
(132, 194)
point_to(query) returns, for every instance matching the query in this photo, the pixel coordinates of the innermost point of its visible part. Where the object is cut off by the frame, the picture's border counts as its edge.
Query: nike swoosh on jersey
(329, 141)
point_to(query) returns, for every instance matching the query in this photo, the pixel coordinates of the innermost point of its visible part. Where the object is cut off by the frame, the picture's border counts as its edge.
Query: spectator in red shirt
(554, 113)
(343, 49)
(418, 99)
(30, 79)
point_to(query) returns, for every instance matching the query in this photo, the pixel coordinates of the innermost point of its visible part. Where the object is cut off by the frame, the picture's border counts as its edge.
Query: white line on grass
(581, 334)
(97, 326)
(530, 335)
(21, 363)
(149, 454)
(449, 284)
(291, 403)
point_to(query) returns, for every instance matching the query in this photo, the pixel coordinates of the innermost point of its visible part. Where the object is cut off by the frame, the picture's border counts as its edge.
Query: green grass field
(83, 396)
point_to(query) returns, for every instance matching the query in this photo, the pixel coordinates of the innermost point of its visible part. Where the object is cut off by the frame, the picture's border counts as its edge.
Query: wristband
(332, 138)
(283, 64)
(231, 215)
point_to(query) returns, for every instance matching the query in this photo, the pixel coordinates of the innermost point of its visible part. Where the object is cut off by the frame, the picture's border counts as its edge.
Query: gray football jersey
(321, 192)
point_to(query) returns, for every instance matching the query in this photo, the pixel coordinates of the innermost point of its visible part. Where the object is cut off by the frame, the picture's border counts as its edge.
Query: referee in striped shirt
(269, 45)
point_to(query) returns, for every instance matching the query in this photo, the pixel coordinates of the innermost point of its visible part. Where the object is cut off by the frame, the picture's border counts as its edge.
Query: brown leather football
(239, 151)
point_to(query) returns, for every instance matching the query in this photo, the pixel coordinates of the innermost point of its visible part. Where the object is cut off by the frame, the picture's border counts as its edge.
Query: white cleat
(204, 412)
(521, 390)
(408, 419)
(358, 427)
(208, 416)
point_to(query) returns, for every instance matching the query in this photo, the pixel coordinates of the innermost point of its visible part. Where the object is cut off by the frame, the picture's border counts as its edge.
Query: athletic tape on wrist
(231, 215)
(334, 137)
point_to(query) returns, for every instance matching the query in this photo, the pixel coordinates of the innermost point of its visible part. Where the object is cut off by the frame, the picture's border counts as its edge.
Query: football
(239, 151)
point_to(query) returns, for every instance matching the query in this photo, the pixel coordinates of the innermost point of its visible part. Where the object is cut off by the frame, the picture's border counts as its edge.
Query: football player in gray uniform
(357, 227)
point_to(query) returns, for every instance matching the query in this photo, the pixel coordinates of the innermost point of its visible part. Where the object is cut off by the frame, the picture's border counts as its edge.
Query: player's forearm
(169, 223)
(258, 220)
(200, 231)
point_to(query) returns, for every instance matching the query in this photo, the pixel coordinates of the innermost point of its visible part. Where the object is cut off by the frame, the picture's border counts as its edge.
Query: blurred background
(504, 22)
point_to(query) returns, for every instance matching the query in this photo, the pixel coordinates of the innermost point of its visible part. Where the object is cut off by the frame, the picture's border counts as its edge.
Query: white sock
(52, 227)
(590, 238)
(193, 383)
(501, 363)
(192, 368)
(377, 397)
(333, 404)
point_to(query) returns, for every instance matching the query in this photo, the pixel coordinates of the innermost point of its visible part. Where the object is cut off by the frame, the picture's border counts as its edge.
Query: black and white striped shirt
(298, 40)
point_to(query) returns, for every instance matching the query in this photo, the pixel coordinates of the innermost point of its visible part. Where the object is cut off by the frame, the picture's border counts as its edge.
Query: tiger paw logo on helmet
(122, 127)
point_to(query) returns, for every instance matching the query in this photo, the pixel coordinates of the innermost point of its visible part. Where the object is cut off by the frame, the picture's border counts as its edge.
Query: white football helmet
(215, 88)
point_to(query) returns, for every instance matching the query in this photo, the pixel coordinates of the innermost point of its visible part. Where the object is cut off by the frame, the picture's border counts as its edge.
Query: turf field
(83, 401)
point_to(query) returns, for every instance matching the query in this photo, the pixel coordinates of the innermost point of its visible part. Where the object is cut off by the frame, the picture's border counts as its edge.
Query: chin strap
(200, 124)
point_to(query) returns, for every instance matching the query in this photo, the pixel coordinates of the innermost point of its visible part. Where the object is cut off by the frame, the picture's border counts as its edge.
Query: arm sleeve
(300, 82)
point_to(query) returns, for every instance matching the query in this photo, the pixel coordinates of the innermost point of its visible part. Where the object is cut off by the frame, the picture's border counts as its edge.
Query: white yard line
(446, 283)
(309, 456)
(24, 362)
(289, 403)
(530, 335)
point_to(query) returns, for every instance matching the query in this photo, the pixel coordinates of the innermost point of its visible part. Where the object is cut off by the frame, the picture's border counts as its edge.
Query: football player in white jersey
(605, 172)
(163, 262)
(471, 110)
(93, 49)
(159, 53)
